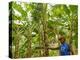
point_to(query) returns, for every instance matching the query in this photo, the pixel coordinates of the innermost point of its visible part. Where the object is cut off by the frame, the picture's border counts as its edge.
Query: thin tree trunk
(29, 36)
(70, 42)
(40, 36)
(17, 45)
(45, 18)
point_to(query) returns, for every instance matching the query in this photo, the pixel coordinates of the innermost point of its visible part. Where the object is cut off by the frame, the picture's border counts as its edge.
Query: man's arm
(71, 50)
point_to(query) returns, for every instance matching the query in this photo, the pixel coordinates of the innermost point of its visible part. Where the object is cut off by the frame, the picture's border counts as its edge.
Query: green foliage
(60, 20)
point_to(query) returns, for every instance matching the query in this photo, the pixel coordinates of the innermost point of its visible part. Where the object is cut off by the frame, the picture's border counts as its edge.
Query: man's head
(62, 39)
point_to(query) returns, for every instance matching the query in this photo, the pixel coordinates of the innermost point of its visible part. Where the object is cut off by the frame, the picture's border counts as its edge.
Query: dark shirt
(64, 49)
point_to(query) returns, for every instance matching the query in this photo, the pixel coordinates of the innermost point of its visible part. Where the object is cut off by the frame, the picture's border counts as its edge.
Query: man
(64, 47)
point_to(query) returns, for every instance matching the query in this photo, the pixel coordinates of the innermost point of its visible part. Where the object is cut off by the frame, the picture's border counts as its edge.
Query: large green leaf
(19, 9)
(73, 9)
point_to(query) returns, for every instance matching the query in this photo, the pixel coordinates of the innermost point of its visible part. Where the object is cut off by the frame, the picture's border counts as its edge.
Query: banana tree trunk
(71, 41)
(40, 36)
(29, 36)
(17, 44)
(44, 22)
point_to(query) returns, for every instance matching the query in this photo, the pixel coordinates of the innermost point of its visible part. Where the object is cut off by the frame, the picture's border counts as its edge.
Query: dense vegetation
(36, 28)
